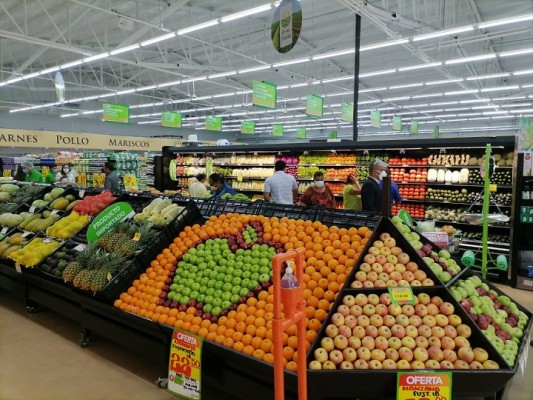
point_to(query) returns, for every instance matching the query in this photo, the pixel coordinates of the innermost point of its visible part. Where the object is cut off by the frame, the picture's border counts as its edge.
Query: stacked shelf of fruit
(341, 159)
(68, 226)
(500, 319)
(407, 161)
(405, 175)
(416, 210)
(93, 205)
(35, 252)
(339, 173)
(226, 263)
(11, 193)
(447, 195)
(292, 164)
(412, 192)
(13, 242)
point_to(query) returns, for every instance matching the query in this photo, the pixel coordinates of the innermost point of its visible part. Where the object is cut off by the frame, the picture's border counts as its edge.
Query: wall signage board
(397, 123)
(525, 134)
(248, 127)
(286, 25)
(116, 113)
(107, 219)
(77, 141)
(347, 112)
(171, 119)
(277, 130)
(375, 119)
(213, 123)
(315, 106)
(265, 94)
(413, 129)
(301, 133)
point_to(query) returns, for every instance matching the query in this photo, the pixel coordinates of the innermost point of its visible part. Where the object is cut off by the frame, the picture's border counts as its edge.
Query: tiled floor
(40, 359)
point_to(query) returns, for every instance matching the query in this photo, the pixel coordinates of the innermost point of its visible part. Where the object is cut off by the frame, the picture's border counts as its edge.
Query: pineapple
(110, 266)
(130, 246)
(112, 239)
(73, 268)
(93, 264)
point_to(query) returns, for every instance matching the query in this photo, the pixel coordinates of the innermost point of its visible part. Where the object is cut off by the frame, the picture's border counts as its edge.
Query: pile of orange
(330, 255)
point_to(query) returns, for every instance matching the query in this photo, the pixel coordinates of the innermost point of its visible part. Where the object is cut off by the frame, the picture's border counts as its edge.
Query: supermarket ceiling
(464, 65)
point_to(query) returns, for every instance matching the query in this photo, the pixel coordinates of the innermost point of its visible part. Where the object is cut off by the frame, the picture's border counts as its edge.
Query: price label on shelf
(239, 178)
(32, 209)
(424, 386)
(80, 247)
(26, 234)
(54, 212)
(184, 368)
(81, 193)
(17, 268)
(401, 295)
(4, 230)
(493, 187)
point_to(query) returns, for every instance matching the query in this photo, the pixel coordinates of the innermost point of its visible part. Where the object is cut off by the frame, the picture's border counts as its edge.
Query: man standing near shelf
(281, 187)
(111, 179)
(395, 195)
(371, 190)
(32, 175)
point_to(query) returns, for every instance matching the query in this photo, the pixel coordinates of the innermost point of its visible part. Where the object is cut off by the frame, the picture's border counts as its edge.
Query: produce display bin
(218, 206)
(290, 211)
(347, 218)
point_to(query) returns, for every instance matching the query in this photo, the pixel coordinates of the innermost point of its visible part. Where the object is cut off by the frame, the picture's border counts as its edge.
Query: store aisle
(40, 359)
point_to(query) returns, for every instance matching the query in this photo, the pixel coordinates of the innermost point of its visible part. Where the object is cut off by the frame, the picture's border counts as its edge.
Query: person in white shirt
(280, 187)
(67, 174)
(198, 187)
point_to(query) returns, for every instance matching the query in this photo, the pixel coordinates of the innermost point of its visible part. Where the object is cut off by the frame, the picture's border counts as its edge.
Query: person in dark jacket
(371, 190)
(219, 186)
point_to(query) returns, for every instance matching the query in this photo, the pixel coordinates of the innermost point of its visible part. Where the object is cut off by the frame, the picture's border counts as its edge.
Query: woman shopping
(352, 194)
(319, 193)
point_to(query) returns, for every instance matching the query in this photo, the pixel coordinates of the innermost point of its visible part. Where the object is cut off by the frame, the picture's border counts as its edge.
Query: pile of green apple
(441, 262)
(369, 332)
(496, 315)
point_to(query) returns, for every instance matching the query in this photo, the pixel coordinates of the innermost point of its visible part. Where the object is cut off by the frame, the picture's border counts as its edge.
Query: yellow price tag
(137, 237)
(401, 295)
(239, 178)
(424, 386)
(493, 187)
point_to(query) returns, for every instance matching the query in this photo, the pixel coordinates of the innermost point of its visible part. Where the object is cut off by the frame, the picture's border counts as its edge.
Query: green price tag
(315, 106)
(116, 113)
(265, 94)
(401, 295)
(332, 135)
(171, 119)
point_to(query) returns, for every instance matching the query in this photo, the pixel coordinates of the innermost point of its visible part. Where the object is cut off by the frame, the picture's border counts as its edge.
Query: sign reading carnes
(80, 141)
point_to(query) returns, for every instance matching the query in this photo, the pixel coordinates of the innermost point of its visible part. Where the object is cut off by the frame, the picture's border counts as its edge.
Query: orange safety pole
(294, 313)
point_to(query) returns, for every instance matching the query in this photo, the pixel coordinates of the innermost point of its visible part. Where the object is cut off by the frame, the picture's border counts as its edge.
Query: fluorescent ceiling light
(121, 92)
(222, 74)
(96, 57)
(198, 27)
(49, 70)
(373, 90)
(397, 98)
(71, 64)
(340, 78)
(515, 105)
(406, 86)
(477, 78)
(524, 72)
(444, 103)
(444, 81)
(521, 111)
(383, 72)
(124, 49)
(456, 92)
(475, 101)
(495, 112)
(158, 39)
(445, 32)
(333, 54)
(384, 44)
(290, 62)
(499, 22)
(299, 85)
(106, 95)
(516, 52)
(496, 89)
(253, 69)
(420, 66)
(427, 96)
(18, 79)
(470, 59)
(32, 75)
(245, 13)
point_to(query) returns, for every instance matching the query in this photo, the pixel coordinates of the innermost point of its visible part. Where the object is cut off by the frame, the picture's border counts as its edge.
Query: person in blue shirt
(219, 186)
(395, 195)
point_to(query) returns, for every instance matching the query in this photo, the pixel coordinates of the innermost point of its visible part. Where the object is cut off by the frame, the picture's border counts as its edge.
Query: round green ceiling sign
(286, 25)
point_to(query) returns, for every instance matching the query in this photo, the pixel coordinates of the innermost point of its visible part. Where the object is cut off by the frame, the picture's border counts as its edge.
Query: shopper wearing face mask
(352, 194)
(318, 194)
(219, 186)
(67, 174)
(198, 185)
(51, 175)
(32, 175)
(371, 190)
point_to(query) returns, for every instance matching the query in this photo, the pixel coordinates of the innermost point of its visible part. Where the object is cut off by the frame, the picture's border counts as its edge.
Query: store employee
(32, 175)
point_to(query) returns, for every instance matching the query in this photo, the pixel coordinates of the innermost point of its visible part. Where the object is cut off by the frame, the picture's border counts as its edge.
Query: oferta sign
(277, 130)
(171, 119)
(116, 113)
(107, 219)
(347, 112)
(248, 127)
(315, 106)
(213, 123)
(265, 94)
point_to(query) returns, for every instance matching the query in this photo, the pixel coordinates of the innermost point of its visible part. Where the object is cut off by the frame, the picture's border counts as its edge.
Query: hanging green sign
(397, 123)
(171, 119)
(116, 113)
(436, 132)
(332, 135)
(213, 123)
(375, 119)
(315, 106)
(107, 219)
(301, 133)
(248, 127)
(286, 25)
(347, 112)
(414, 127)
(265, 94)
(277, 130)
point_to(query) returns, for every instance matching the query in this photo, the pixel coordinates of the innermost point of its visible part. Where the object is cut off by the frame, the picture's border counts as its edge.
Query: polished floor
(41, 359)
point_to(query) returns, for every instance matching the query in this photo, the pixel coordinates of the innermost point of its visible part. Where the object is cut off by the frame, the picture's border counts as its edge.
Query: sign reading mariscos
(424, 386)
(107, 219)
(116, 113)
(265, 94)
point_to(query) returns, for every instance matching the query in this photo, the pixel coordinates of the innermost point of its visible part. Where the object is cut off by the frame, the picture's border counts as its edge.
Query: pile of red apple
(412, 192)
(369, 332)
(387, 265)
(412, 175)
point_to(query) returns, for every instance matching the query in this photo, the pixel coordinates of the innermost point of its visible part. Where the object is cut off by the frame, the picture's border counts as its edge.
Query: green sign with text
(213, 123)
(332, 135)
(116, 113)
(315, 106)
(107, 219)
(277, 130)
(347, 112)
(171, 119)
(436, 132)
(397, 123)
(375, 119)
(248, 127)
(301, 133)
(414, 127)
(265, 94)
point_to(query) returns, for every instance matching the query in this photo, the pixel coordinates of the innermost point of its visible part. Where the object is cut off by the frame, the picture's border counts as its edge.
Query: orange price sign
(184, 367)
(401, 295)
(424, 386)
